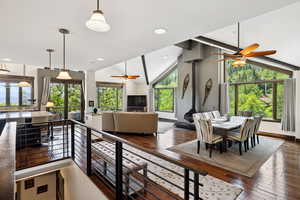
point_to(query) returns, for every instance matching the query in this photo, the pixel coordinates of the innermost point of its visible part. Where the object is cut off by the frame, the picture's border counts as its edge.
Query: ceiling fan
(126, 76)
(240, 56)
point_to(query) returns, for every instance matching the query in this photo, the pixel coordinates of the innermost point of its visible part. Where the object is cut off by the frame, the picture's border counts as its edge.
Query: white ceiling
(29, 27)
(156, 63)
(279, 30)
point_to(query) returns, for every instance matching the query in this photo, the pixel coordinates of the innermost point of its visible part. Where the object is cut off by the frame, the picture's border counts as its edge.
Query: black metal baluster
(186, 184)
(119, 171)
(67, 138)
(72, 140)
(89, 152)
(196, 186)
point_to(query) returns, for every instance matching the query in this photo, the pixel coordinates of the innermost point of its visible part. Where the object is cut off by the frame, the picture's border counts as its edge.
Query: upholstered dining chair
(205, 134)
(243, 134)
(208, 115)
(256, 125)
(216, 114)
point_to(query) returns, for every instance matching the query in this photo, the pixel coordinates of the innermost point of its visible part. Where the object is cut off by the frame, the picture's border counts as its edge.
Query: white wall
(46, 179)
(90, 90)
(78, 186)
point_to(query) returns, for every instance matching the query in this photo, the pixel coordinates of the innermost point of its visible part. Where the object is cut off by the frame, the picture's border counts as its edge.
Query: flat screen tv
(136, 100)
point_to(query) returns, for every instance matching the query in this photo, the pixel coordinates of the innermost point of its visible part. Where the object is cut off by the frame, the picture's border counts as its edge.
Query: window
(164, 92)
(13, 95)
(66, 97)
(256, 89)
(110, 98)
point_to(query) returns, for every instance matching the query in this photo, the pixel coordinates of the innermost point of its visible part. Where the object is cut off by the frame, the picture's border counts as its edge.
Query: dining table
(222, 127)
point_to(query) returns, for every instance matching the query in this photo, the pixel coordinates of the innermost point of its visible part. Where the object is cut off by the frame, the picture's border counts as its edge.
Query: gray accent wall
(206, 67)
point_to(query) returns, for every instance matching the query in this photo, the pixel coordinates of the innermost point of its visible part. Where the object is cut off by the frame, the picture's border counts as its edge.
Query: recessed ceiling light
(6, 59)
(160, 31)
(100, 59)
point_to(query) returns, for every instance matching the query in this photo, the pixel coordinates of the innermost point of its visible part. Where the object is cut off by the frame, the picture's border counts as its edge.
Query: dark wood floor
(278, 178)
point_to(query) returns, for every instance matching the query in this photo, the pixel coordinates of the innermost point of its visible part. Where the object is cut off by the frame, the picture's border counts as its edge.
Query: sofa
(130, 122)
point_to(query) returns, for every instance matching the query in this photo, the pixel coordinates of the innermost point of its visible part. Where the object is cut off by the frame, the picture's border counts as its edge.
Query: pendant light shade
(97, 21)
(64, 73)
(24, 83)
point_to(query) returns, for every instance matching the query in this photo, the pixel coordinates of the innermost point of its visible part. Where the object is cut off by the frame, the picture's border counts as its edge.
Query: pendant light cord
(64, 51)
(97, 4)
(125, 67)
(24, 70)
(50, 60)
(238, 36)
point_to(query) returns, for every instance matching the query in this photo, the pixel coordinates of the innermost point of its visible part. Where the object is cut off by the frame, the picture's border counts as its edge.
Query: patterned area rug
(213, 189)
(246, 165)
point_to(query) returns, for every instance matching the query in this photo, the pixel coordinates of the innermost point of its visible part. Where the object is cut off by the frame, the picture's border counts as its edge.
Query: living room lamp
(64, 73)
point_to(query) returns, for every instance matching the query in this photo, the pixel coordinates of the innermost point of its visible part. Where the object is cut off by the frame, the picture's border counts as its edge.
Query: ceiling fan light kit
(241, 55)
(64, 73)
(97, 21)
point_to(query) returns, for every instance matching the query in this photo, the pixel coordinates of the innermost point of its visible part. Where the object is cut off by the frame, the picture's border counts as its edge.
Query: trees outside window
(256, 89)
(110, 98)
(164, 93)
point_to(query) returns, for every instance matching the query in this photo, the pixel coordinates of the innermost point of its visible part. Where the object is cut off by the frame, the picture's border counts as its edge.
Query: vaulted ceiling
(277, 30)
(29, 27)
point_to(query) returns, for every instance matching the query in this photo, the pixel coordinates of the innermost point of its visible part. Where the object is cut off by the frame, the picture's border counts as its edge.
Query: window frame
(16, 79)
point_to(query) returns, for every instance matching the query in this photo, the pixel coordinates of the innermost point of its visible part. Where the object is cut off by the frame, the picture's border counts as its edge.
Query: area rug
(246, 165)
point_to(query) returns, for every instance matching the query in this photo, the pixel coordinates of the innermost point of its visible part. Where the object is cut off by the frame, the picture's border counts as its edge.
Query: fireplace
(137, 103)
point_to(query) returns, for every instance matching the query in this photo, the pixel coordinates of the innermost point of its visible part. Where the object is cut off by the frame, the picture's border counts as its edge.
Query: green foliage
(257, 98)
(110, 99)
(164, 99)
(170, 81)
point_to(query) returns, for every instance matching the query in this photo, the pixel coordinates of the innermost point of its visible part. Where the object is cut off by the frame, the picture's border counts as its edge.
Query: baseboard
(276, 135)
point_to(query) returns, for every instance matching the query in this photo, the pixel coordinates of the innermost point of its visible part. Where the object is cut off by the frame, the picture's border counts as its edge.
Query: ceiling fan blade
(133, 76)
(260, 53)
(248, 49)
(119, 76)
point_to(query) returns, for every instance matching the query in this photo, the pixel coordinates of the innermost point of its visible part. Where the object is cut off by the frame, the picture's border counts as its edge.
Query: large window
(110, 98)
(256, 89)
(66, 97)
(13, 95)
(164, 92)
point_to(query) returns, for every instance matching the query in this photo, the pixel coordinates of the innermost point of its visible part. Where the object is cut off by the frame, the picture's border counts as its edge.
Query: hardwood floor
(278, 178)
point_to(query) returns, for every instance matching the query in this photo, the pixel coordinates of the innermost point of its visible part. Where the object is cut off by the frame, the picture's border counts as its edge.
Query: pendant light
(49, 104)
(24, 83)
(97, 21)
(64, 73)
(3, 69)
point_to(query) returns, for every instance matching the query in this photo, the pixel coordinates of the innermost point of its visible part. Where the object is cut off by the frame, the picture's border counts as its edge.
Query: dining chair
(205, 134)
(257, 122)
(216, 114)
(242, 136)
(208, 115)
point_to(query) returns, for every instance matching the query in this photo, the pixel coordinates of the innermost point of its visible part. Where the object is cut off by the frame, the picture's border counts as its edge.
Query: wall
(90, 90)
(207, 67)
(78, 186)
(46, 179)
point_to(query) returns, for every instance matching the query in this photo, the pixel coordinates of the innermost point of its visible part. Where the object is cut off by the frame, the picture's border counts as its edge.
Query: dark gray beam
(222, 45)
(145, 69)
